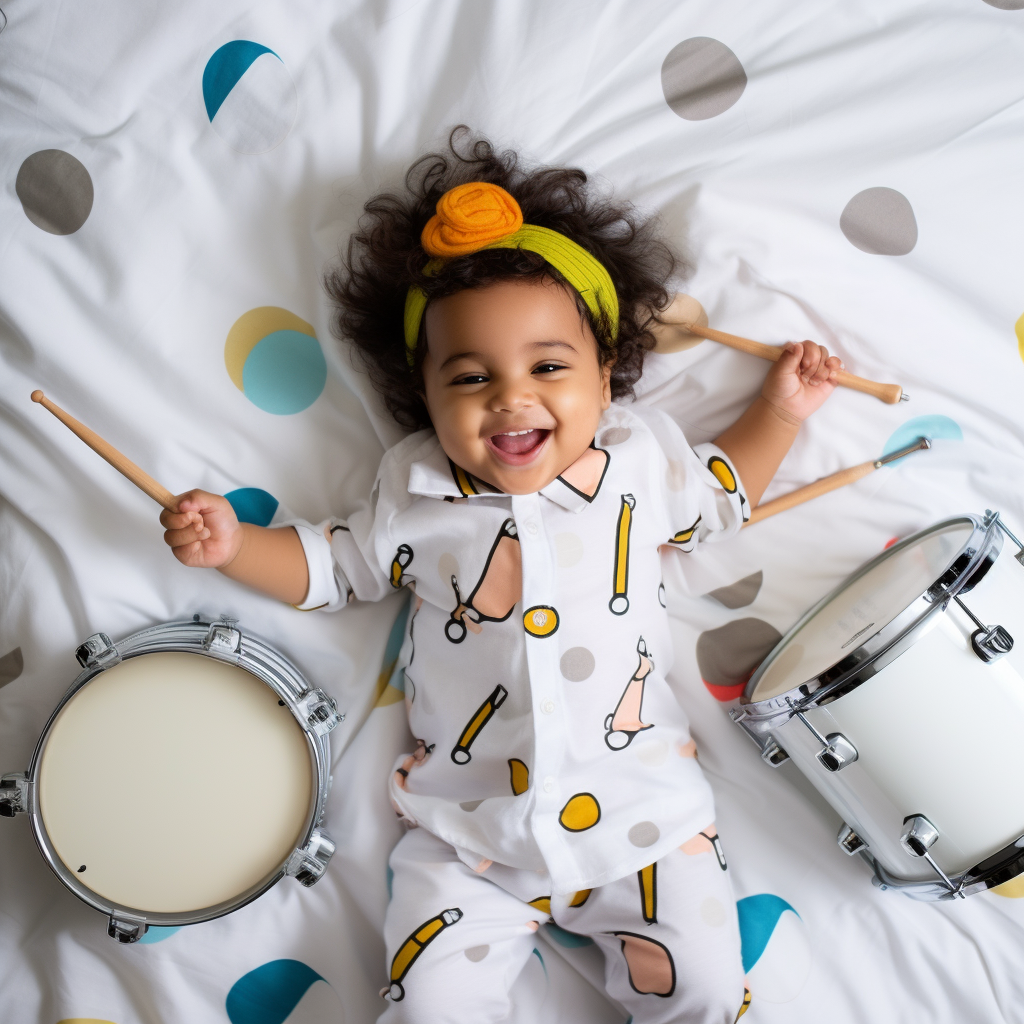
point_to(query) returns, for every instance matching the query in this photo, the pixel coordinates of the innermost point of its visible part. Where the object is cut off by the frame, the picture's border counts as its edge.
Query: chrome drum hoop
(965, 570)
(222, 640)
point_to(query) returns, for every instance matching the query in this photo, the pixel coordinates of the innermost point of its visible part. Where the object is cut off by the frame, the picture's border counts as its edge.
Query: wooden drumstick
(107, 451)
(686, 316)
(831, 483)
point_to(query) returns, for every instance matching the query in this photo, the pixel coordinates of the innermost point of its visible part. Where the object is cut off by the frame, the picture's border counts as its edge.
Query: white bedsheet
(123, 319)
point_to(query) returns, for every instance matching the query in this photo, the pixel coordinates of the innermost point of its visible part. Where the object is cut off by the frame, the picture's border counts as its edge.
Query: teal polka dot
(225, 68)
(252, 505)
(157, 935)
(932, 427)
(285, 372)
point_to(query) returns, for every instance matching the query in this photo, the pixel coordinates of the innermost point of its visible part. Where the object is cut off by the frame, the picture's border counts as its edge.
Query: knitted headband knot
(479, 215)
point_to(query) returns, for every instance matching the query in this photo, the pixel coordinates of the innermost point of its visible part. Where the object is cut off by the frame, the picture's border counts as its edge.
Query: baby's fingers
(189, 535)
(179, 520)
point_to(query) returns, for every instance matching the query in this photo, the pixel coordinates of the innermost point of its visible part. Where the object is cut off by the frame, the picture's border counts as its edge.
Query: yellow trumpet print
(580, 898)
(648, 877)
(463, 480)
(543, 904)
(519, 776)
(619, 604)
(403, 558)
(581, 812)
(745, 1005)
(723, 473)
(685, 536)
(541, 620)
(414, 945)
(460, 752)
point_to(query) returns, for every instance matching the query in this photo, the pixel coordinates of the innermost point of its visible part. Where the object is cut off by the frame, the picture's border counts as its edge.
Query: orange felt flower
(468, 217)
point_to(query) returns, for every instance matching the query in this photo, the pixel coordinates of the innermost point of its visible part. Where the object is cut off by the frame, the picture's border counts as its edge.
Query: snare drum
(185, 771)
(900, 696)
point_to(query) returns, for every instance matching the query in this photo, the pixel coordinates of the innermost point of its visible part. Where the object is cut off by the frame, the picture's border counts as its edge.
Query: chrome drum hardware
(224, 793)
(900, 696)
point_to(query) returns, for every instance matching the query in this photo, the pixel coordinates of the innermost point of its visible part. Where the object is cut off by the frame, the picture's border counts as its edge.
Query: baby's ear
(606, 383)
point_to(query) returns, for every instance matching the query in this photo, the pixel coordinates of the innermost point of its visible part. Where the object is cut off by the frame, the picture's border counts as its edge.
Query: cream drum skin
(183, 774)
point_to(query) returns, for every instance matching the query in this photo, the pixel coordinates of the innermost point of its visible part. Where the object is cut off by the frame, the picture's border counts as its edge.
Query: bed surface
(175, 179)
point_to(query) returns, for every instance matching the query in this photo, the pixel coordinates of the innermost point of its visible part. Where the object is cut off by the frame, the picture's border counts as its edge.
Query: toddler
(499, 312)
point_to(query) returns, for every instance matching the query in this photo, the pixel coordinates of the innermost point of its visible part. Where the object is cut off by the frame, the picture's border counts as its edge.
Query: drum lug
(308, 863)
(320, 711)
(837, 753)
(849, 842)
(223, 638)
(773, 755)
(836, 750)
(989, 643)
(918, 837)
(13, 794)
(126, 929)
(97, 652)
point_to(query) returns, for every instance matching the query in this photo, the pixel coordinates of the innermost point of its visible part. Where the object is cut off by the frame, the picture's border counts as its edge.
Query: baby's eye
(471, 378)
(549, 367)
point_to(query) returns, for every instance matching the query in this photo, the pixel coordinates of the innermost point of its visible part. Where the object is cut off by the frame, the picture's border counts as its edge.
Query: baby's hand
(204, 532)
(801, 380)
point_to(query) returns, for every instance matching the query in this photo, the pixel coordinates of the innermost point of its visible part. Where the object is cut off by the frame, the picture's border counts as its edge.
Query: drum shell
(222, 642)
(938, 733)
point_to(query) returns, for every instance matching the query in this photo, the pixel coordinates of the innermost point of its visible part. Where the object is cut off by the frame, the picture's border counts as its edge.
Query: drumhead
(865, 605)
(174, 782)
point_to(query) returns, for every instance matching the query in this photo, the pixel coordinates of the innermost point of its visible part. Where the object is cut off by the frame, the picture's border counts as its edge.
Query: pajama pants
(457, 938)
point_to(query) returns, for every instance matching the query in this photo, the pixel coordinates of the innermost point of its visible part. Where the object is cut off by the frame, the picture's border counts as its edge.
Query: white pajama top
(538, 643)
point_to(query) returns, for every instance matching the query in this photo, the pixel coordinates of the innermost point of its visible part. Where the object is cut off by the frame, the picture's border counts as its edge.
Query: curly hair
(385, 257)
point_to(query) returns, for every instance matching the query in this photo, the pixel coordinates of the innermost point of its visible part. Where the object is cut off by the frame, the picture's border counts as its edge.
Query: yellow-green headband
(478, 216)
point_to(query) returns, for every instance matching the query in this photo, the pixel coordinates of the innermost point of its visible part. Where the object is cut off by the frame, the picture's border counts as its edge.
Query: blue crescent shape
(225, 68)
(758, 917)
(253, 505)
(933, 427)
(269, 993)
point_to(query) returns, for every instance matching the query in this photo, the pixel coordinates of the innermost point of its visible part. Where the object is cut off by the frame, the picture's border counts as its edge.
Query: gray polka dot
(740, 594)
(577, 664)
(477, 953)
(652, 753)
(880, 221)
(470, 805)
(568, 549)
(701, 78)
(712, 912)
(55, 191)
(447, 567)
(644, 833)
(615, 435)
(728, 655)
(1006, 5)
(11, 666)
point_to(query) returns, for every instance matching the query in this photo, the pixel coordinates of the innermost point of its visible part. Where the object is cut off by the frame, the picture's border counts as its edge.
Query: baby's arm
(206, 533)
(795, 386)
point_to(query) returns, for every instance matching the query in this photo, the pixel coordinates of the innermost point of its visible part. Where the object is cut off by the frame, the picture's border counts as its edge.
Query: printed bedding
(176, 177)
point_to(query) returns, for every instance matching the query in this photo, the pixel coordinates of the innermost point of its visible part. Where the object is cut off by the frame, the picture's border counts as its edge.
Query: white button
(547, 705)
(532, 528)
(549, 784)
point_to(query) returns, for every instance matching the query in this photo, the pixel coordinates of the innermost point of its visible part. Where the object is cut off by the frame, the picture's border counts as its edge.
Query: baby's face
(512, 382)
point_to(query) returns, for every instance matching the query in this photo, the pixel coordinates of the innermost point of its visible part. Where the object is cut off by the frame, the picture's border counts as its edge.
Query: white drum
(900, 696)
(184, 773)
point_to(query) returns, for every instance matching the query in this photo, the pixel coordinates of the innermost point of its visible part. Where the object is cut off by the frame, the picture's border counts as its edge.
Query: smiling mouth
(518, 447)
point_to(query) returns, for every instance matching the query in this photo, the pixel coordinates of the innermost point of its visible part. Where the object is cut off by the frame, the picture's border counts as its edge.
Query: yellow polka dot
(722, 473)
(540, 620)
(580, 813)
(251, 328)
(1014, 888)
(519, 774)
